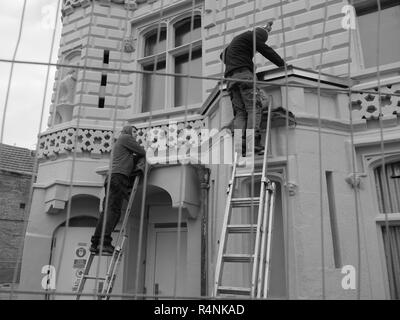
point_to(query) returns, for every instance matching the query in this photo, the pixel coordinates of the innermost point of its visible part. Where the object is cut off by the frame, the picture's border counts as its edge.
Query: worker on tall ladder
(127, 162)
(238, 60)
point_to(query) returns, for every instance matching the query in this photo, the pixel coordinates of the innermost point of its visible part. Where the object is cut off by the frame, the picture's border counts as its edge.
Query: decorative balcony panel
(366, 105)
(97, 142)
(173, 135)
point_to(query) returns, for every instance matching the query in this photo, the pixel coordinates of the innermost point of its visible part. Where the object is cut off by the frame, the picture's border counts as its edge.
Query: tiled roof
(16, 158)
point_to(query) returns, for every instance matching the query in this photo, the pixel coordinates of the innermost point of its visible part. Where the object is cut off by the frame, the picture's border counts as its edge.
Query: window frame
(168, 55)
(369, 6)
(372, 162)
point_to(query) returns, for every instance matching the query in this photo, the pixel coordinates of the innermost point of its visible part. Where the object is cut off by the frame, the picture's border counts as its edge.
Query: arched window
(388, 187)
(387, 184)
(175, 47)
(153, 93)
(156, 42)
(187, 33)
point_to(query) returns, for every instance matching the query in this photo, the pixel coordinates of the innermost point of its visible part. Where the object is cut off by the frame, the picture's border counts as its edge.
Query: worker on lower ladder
(127, 158)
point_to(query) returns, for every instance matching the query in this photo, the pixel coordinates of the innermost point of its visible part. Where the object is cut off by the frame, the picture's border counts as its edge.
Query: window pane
(391, 243)
(153, 88)
(388, 188)
(368, 6)
(183, 28)
(188, 91)
(156, 41)
(389, 37)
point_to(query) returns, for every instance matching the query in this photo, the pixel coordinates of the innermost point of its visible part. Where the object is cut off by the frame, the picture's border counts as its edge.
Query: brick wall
(14, 194)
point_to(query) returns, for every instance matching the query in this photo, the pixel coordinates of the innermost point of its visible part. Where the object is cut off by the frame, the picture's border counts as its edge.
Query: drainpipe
(204, 175)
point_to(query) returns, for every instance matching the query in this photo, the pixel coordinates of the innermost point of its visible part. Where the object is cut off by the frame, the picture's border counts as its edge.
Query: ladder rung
(93, 278)
(245, 202)
(242, 228)
(234, 290)
(248, 174)
(238, 257)
(103, 254)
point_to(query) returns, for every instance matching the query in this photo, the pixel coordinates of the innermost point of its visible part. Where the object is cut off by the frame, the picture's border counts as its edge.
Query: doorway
(166, 272)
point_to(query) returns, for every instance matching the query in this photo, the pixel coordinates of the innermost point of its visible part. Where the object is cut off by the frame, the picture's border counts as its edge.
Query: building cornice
(69, 6)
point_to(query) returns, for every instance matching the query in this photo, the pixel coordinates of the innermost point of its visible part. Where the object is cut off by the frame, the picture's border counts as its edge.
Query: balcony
(303, 92)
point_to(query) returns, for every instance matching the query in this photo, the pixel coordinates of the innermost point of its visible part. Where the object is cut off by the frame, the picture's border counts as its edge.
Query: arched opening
(70, 245)
(155, 44)
(387, 182)
(159, 250)
(187, 33)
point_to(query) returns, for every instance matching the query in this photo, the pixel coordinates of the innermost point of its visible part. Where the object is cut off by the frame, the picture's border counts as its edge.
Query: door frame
(158, 221)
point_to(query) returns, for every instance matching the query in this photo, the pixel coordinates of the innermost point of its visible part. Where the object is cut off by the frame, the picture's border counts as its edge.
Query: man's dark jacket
(127, 152)
(240, 52)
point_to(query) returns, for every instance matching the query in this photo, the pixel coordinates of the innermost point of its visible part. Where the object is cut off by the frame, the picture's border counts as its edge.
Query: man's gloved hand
(141, 166)
(289, 66)
(264, 99)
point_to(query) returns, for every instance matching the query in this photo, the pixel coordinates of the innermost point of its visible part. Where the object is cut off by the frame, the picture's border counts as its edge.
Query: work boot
(241, 162)
(258, 148)
(278, 117)
(107, 249)
(94, 248)
(243, 147)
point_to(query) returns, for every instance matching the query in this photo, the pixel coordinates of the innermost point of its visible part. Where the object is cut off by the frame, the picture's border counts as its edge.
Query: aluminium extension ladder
(259, 259)
(116, 256)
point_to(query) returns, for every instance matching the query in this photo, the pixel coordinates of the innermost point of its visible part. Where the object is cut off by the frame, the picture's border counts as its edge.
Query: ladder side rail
(269, 240)
(267, 140)
(111, 280)
(128, 210)
(261, 267)
(85, 273)
(254, 276)
(121, 235)
(111, 270)
(262, 201)
(222, 242)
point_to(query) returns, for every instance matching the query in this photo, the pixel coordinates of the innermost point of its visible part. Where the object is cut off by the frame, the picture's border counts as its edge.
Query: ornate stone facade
(93, 141)
(68, 87)
(98, 142)
(70, 5)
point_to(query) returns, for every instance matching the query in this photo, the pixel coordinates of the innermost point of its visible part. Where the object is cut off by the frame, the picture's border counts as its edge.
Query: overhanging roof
(278, 76)
(295, 76)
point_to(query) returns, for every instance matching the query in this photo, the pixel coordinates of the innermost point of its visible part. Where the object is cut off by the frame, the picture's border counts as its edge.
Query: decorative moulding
(368, 106)
(129, 45)
(70, 5)
(96, 142)
(292, 188)
(354, 179)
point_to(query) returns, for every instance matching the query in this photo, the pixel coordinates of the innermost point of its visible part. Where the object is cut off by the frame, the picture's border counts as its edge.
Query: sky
(27, 90)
